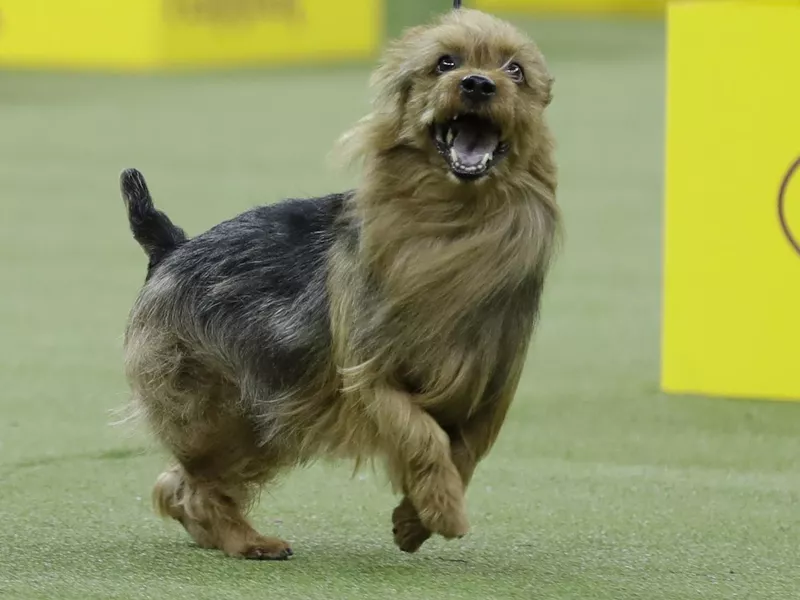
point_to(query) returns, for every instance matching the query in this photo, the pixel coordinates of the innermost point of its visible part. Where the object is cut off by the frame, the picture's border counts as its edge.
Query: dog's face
(467, 94)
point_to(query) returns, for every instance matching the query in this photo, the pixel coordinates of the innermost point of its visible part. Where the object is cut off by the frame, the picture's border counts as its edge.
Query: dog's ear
(392, 83)
(549, 90)
(548, 80)
(382, 127)
(544, 80)
(392, 87)
(392, 80)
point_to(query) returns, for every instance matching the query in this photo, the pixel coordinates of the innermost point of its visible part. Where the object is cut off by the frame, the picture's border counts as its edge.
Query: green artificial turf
(600, 487)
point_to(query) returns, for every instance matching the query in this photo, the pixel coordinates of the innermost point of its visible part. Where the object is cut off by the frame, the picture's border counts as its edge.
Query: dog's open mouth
(470, 144)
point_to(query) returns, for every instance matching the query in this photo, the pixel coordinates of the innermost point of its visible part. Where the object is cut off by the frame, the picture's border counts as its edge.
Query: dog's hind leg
(220, 464)
(209, 493)
(213, 512)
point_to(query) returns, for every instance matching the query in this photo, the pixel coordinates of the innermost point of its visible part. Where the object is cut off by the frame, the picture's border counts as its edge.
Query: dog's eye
(446, 63)
(515, 72)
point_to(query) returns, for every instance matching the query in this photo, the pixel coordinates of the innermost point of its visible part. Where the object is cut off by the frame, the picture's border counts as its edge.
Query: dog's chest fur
(467, 363)
(444, 312)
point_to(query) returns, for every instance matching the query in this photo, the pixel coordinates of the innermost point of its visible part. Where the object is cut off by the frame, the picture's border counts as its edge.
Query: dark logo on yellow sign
(786, 225)
(232, 11)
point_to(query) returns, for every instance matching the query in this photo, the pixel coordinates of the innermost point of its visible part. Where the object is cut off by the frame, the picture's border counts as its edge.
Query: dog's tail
(154, 231)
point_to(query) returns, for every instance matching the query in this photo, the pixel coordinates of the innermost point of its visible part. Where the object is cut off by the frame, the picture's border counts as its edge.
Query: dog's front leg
(421, 462)
(468, 444)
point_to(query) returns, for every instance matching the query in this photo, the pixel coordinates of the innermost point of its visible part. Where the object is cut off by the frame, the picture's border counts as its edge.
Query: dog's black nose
(478, 88)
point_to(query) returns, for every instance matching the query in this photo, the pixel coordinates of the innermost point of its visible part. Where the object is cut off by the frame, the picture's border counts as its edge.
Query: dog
(390, 322)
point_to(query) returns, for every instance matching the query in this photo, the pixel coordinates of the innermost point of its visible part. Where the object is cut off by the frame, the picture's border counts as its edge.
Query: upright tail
(154, 231)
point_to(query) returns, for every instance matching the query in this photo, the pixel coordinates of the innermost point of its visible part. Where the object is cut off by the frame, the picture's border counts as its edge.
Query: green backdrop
(404, 13)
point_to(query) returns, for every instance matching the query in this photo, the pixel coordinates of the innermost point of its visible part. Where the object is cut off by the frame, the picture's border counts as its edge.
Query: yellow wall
(731, 321)
(162, 34)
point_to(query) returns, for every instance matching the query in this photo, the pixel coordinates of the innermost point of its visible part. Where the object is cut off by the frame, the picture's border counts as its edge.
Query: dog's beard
(471, 145)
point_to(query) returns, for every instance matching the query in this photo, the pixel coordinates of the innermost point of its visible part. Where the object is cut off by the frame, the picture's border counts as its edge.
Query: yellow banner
(164, 34)
(731, 320)
(636, 7)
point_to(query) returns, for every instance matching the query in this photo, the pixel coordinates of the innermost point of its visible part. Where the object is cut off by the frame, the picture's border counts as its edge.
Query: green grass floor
(600, 486)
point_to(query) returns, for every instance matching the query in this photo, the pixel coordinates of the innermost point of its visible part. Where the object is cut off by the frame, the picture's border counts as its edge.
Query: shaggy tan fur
(421, 374)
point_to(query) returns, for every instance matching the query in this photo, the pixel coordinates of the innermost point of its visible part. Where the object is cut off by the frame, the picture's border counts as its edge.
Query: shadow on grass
(113, 454)
(176, 562)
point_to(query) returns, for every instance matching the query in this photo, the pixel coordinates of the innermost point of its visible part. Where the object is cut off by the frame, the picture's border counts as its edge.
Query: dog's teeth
(450, 136)
(486, 158)
(454, 156)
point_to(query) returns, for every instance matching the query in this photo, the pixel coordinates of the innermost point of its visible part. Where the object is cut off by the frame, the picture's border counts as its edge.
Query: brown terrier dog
(392, 321)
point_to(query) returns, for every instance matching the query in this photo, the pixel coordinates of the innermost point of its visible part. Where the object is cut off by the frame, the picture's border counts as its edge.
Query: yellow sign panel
(731, 314)
(642, 7)
(164, 34)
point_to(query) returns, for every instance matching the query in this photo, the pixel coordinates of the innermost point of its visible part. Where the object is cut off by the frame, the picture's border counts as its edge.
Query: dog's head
(465, 94)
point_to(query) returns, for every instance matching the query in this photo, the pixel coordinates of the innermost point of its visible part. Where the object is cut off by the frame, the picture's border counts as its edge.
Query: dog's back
(251, 291)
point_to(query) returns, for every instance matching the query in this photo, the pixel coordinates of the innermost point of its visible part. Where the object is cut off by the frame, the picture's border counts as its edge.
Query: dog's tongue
(473, 141)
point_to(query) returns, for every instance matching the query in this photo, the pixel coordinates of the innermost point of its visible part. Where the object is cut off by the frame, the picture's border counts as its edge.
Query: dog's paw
(450, 525)
(266, 548)
(444, 513)
(409, 532)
